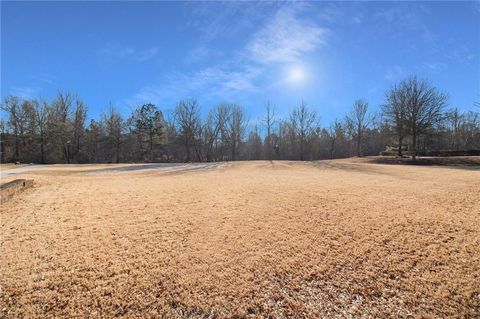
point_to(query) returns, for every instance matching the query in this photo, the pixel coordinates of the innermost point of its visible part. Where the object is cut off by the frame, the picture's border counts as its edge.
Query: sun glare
(295, 74)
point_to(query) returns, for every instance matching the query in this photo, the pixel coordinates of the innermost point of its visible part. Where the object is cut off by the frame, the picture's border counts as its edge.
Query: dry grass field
(329, 239)
(6, 166)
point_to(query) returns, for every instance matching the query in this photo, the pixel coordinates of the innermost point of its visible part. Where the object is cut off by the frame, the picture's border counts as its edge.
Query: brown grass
(5, 166)
(333, 239)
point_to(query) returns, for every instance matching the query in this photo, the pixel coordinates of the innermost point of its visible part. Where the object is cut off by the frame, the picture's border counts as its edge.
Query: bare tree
(454, 119)
(2, 140)
(41, 112)
(95, 141)
(78, 126)
(187, 117)
(11, 105)
(469, 130)
(424, 107)
(254, 144)
(114, 129)
(333, 132)
(235, 128)
(269, 122)
(28, 130)
(213, 128)
(303, 121)
(59, 114)
(358, 118)
(394, 111)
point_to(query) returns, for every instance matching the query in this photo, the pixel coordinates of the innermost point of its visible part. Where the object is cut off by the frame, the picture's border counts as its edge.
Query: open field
(8, 166)
(336, 239)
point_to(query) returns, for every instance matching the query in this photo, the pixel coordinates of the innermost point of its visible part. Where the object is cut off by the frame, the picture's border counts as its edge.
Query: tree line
(413, 120)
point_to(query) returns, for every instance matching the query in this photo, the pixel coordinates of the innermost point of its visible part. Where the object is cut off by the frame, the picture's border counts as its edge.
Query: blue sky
(327, 53)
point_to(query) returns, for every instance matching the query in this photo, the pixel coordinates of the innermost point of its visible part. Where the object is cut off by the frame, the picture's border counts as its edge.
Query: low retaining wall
(8, 190)
(440, 153)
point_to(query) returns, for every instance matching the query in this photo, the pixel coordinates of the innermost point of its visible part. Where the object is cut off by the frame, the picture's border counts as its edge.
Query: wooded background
(415, 119)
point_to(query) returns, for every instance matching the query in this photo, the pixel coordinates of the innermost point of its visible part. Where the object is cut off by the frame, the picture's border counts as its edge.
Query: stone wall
(8, 190)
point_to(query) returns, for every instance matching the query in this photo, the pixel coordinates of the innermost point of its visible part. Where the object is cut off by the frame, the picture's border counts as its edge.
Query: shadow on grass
(159, 167)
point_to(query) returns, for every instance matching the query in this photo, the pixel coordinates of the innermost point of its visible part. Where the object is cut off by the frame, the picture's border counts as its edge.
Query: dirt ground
(327, 239)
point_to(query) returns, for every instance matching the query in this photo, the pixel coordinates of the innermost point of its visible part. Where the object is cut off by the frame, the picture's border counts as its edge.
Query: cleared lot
(255, 239)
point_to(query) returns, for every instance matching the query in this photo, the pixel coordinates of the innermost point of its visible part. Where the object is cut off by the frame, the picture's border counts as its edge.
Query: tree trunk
(17, 146)
(150, 155)
(118, 152)
(2, 150)
(42, 149)
(187, 150)
(268, 144)
(67, 149)
(414, 145)
(301, 150)
(358, 145)
(400, 140)
(302, 146)
(77, 150)
(332, 147)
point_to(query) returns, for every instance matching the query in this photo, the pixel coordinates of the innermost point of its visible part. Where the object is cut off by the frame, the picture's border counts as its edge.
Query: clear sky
(328, 54)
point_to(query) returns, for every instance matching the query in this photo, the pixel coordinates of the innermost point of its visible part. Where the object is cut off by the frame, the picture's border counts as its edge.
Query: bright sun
(295, 74)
